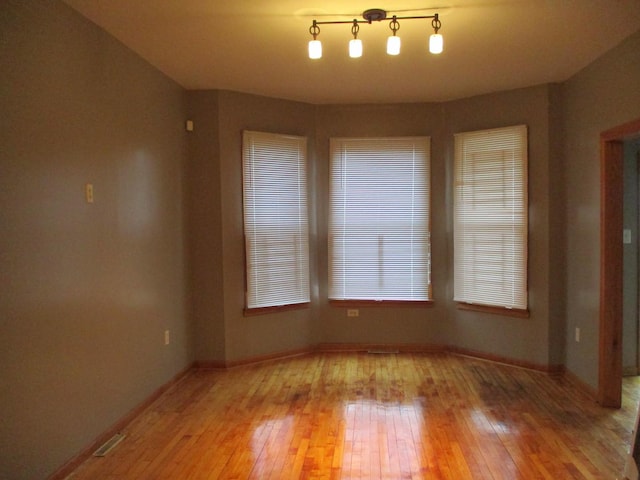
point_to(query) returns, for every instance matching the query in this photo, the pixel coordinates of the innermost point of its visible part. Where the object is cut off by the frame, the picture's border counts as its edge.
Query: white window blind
(380, 245)
(275, 219)
(490, 217)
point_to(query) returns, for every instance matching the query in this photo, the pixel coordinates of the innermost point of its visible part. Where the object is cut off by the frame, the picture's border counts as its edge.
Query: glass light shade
(355, 48)
(315, 49)
(435, 43)
(393, 45)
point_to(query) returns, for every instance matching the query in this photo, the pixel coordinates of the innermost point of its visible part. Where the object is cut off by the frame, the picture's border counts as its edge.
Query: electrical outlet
(167, 337)
(353, 312)
(578, 334)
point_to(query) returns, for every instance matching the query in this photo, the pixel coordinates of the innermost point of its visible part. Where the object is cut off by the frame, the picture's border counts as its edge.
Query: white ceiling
(260, 46)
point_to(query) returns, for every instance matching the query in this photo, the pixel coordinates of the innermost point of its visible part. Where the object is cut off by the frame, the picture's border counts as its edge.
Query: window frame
(268, 151)
(420, 143)
(479, 140)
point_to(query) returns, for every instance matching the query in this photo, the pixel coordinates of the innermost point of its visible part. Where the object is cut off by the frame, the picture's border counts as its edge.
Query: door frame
(611, 248)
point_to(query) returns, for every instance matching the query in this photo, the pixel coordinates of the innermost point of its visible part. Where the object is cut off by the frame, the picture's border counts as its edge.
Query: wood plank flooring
(373, 416)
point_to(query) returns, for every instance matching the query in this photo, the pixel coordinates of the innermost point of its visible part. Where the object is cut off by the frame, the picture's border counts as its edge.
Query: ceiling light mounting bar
(375, 15)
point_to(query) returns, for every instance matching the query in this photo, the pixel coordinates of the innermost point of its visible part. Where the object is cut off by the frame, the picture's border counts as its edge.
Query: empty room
(276, 239)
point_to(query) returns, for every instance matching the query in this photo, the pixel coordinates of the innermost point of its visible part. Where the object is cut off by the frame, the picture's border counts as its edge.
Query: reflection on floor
(348, 416)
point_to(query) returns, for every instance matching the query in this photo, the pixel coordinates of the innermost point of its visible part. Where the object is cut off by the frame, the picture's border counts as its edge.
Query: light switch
(88, 192)
(626, 236)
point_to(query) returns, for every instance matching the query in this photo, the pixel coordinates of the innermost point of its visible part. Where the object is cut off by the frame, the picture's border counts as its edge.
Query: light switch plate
(88, 192)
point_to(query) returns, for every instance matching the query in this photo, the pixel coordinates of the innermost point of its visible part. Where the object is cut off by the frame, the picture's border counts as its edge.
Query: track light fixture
(393, 42)
(370, 16)
(355, 45)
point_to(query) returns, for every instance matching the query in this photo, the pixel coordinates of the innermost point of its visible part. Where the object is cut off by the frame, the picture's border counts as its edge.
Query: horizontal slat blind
(275, 219)
(490, 217)
(380, 245)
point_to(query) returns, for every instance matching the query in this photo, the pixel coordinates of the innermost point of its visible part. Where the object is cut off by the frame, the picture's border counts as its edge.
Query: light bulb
(435, 43)
(355, 48)
(315, 49)
(393, 45)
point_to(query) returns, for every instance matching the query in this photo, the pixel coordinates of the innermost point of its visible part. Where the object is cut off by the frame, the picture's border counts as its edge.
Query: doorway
(630, 325)
(611, 261)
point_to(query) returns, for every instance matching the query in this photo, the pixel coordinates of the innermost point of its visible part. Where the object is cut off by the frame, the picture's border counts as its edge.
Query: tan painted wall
(86, 290)
(524, 339)
(204, 208)
(385, 324)
(253, 336)
(603, 95)
(528, 340)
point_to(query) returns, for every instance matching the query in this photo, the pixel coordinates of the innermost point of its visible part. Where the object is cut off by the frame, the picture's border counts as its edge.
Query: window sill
(381, 303)
(251, 312)
(507, 312)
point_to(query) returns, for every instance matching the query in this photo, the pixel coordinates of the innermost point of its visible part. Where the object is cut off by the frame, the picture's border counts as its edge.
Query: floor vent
(109, 444)
(382, 351)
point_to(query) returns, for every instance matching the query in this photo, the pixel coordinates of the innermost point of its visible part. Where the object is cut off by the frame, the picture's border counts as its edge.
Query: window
(275, 219)
(379, 238)
(490, 217)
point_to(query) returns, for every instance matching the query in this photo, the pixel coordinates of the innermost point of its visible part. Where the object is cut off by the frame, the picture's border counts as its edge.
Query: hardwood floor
(373, 416)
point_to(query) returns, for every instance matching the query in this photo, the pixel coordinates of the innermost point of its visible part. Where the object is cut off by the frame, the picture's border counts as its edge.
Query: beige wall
(602, 96)
(529, 340)
(204, 209)
(384, 324)
(523, 339)
(87, 290)
(254, 336)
